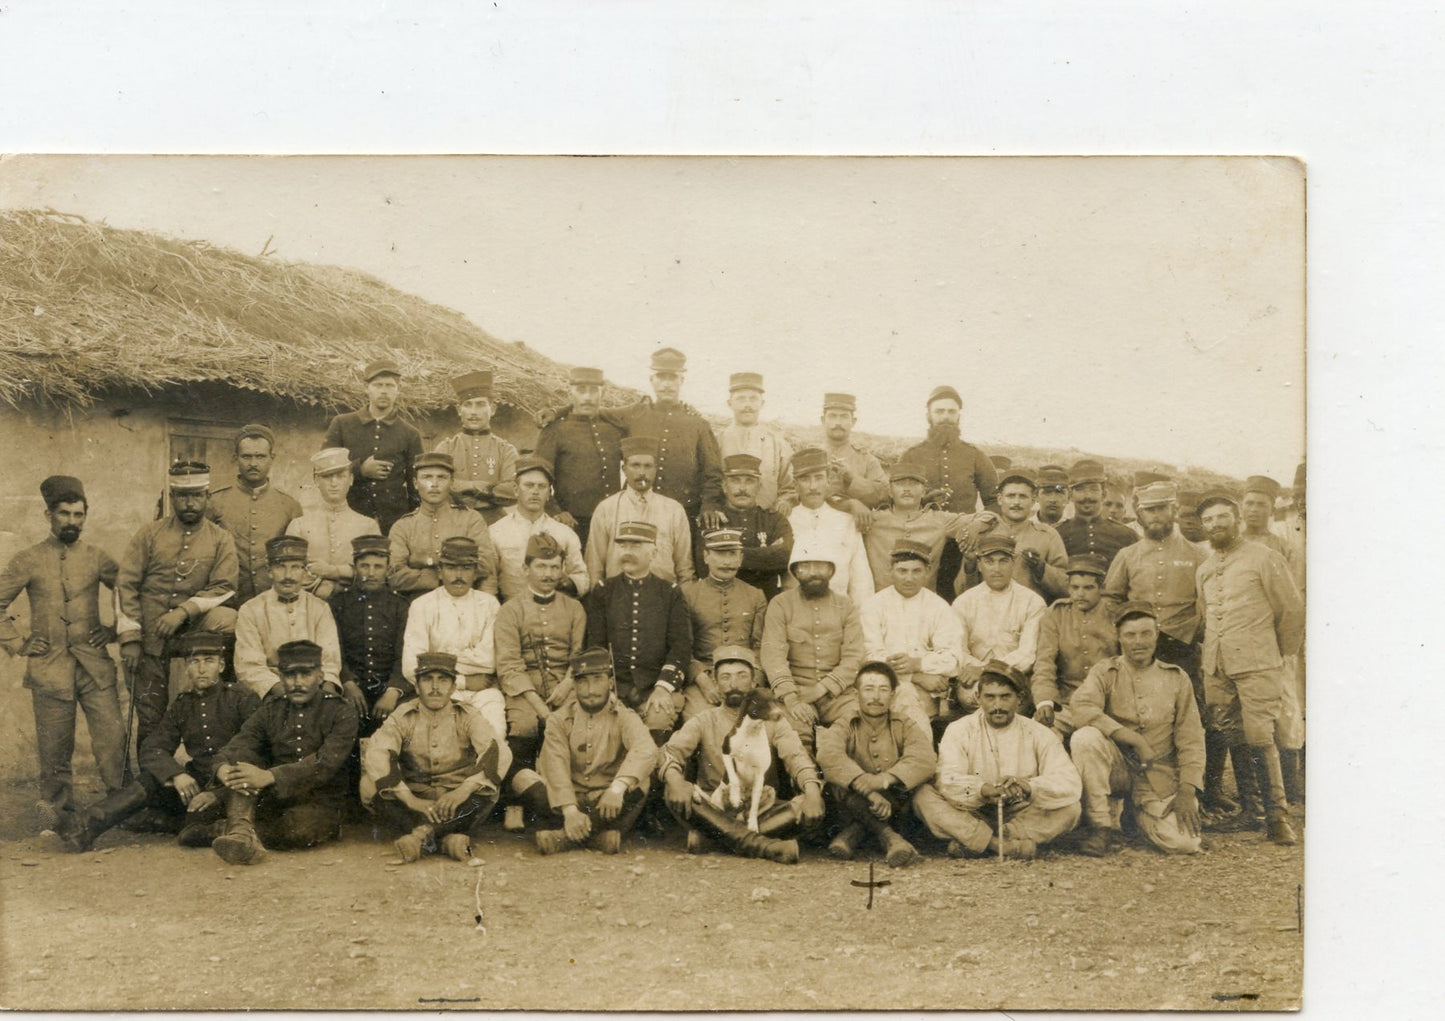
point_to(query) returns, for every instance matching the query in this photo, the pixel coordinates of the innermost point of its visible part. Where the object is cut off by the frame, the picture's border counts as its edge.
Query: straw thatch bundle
(86, 308)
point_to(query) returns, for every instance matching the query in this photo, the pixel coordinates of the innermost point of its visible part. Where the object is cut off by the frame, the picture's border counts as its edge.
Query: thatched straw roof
(86, 308)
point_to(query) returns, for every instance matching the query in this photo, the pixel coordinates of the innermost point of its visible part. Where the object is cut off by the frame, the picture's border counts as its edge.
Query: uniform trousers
(1107, 777)
(830, 709)
(660, 721)
(1250, 703)
(918, 705)
(632, 803)
(55, 736)
(289, 824)
(973, 828)
(471, 816)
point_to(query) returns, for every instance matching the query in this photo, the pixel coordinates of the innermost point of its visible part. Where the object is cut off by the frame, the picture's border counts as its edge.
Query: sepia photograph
(684, 582)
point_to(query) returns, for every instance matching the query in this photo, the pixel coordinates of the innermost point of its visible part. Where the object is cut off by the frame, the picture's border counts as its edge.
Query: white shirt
(767, 443)
(1000, 625)
(439, 622)
(972, 753)
(923, 626)
(265, 623)
(836, 533)
(510, 533)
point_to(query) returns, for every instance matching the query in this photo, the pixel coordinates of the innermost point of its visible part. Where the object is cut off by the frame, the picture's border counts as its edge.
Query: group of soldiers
(953, 649)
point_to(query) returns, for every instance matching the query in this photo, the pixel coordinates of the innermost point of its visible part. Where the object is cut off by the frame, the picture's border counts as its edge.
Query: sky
(1135, 307)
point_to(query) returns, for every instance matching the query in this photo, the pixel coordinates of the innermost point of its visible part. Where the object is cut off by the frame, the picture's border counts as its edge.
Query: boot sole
(234, 851)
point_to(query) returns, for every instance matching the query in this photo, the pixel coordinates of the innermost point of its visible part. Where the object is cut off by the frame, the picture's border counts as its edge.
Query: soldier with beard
(959, 476)
(66, 662)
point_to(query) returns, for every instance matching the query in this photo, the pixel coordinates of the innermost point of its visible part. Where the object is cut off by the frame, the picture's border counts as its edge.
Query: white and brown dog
(747, 754)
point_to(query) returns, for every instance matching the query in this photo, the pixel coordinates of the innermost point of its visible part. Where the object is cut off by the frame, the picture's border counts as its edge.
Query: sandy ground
(141, 923)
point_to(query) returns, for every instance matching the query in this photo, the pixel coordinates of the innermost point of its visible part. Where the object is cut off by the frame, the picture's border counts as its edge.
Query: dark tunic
(586, 456)
(204, 723)
(689, 463)
(646, 625)
(370, 627)
(388, 439)
(764, 563)
(960, 466)
(305, 747)
(1100, 536)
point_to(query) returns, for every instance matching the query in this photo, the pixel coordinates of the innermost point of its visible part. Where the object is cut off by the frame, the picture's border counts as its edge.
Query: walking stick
(1000, 830)
(125, 774)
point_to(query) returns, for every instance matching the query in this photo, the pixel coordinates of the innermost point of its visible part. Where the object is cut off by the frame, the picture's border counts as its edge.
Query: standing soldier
(482, 459)
(765, 442)
(1253, 618)
(1052, 494)
(815, 522)
(417, 537)
(644, 621)
(857, 475)
(512, 532)
(724, 611)
(1040, 558)
(381, 446)
(958, 475)
(1160, 570)
(767, 537)
(371, 623)
(174, 577)
(1074, 633)
(689, 465)
(585, 453)
(66, 662)
(1088, 531)
(639, 501)
(907, 518)
(330, 529)
(253, 510)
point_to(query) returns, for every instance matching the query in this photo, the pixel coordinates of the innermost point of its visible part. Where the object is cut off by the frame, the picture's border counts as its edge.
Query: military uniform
(586, 457)
(646, 624)
(168, 566)
(674, 558)
(811, 650)
(253, 517)
(416, 542)
(867, 481)
(268, 622)
(482, 459)
(371, 627)
(328, 532)
(857, 746)
(63, 583)
(774, 453)
(767, 539)
(1071, 641)
(306, 748)
(1099, 535)
(203, 722)
(536, 638)
(583, 754)
(729, 613)
(510, 533)
(386, 439)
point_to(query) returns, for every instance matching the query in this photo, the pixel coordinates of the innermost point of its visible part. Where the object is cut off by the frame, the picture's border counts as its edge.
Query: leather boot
(239, 844)
(1271, 784)
(1289, 764)
(1246, 783)
(1213, 798)
(200, 834)
(534, 797)
(896, 851)
(79, 831)
(778, 819)
(734, 835)
(845, 844)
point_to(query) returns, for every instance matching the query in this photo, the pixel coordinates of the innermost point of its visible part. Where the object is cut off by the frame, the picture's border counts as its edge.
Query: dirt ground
(141, 923)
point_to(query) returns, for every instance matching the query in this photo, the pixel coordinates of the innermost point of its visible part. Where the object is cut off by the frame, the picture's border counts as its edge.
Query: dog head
(762, 704)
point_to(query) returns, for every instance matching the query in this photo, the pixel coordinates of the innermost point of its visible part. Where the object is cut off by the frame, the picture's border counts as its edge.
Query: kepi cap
(906, 470)
(809, 460)
(840, 402)
(533, 463)
(473, 384)
(436, 662)
(1088, 563)
(669, 359)
(298, 655)
(723, 539)
(381, 367)
(199, 643)
(256, 431)
(286, 547)
(1157, 494)
(331, 460)
(434, 459)
(585, 376)
(636, 531)
(596, 660)
(1016, 475)
(639, 446)
(190, 475)
(1262, 484)
(458, 551)
(1086, 471)
(996, 542)
(911, 549)
(370, 545)
(745, 381)
(1001, 671)
(734, 653)
(1213, 496)
(1144, 478)
(1051, 476)
(743, 464)
(1135, 608)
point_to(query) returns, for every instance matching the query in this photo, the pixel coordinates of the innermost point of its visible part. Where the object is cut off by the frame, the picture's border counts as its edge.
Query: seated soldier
(203, 718)
(596, 760)
(812, 646)
(1139, 737)
(285, 612)
(538, 631)
(435, 767)
(766, 535)
(724, 611)
(644, 621)
(915, 632)
(1000, 619)
(371, 622)
(873, 762)
(996, 757)
(1074, 633)
(459, 618)
(698, 745)
(284, 773)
